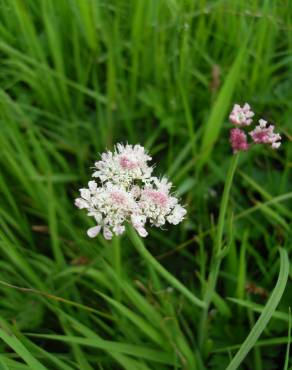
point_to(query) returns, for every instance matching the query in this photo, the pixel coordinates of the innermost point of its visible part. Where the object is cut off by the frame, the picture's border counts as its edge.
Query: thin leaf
(266, 315)
(19, 348)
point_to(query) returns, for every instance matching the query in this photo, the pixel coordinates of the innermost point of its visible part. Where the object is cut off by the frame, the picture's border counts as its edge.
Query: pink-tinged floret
(263, 134)
(157, 197)
(238, 140)
(127, 163)
(118, 198)
(241, 116)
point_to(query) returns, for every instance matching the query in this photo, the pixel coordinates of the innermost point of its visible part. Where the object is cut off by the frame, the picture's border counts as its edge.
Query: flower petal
(93, 231)
(85, 194)
(92, 186)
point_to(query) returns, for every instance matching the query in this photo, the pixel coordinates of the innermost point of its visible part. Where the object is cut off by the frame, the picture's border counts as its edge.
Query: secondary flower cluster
(125, 191)
(262, 133)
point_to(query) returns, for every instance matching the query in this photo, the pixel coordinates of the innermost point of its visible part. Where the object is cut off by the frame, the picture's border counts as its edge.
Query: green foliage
(77, 77)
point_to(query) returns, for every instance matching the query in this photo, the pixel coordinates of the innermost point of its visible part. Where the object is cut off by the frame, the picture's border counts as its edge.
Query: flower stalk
(116, 263)
(218, 247)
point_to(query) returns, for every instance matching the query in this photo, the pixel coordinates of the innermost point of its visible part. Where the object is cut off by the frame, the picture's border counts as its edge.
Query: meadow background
(77, 76)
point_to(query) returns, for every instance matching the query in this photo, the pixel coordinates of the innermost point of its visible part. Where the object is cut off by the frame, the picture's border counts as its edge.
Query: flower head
(110, 205)
(238, 140)
(263, 134)
(126, 164)
(241, 116)
(125, 192)
(158, 205)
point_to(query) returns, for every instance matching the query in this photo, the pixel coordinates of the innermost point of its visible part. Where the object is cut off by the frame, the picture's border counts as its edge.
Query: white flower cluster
(126, 191)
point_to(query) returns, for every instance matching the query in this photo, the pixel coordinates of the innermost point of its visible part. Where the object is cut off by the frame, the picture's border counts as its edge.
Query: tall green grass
(78, 76)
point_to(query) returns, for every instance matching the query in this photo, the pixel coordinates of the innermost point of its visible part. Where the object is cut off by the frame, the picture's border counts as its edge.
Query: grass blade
(19, 348)
(266, 315)
(221, 107)
(162, 271)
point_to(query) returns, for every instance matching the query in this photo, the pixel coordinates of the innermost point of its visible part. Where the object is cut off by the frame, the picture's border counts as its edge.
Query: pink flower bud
(238, 140)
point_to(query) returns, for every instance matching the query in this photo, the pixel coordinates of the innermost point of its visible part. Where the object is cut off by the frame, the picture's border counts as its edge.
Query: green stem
(116, 263)
(217, 255)
(139, 245)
